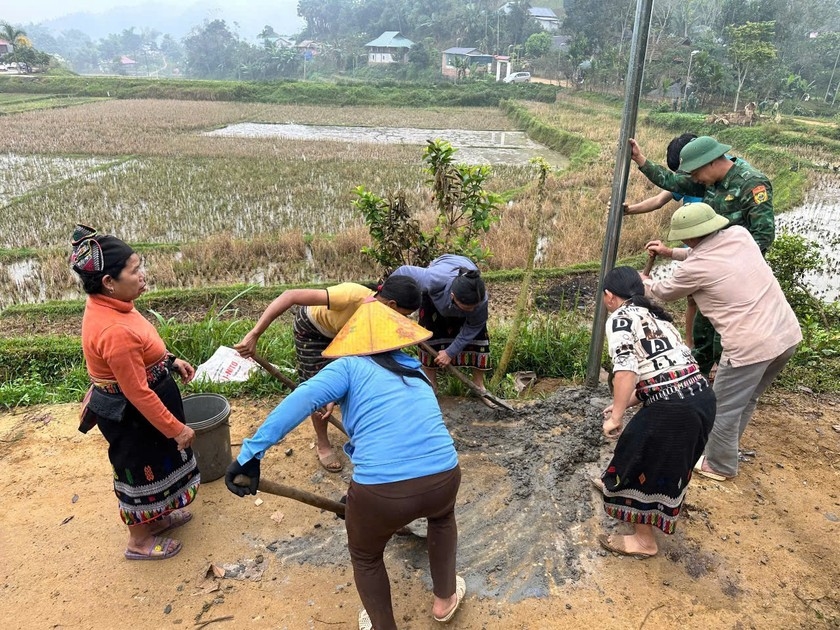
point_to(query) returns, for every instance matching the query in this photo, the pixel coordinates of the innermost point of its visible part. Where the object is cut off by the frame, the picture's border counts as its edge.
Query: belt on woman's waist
(676, 384)
(154, 375)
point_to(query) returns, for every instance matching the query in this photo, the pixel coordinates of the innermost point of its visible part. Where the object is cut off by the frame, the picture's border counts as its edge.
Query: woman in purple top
(454, 308)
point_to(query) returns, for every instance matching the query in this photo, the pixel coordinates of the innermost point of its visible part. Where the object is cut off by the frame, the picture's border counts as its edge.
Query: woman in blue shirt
(405, 465)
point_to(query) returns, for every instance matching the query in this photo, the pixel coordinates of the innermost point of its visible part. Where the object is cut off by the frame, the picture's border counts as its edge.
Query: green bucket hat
(700, 152)
(694, 220)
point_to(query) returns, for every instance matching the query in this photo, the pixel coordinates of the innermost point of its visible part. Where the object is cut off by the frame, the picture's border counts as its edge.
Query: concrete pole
(633, 88)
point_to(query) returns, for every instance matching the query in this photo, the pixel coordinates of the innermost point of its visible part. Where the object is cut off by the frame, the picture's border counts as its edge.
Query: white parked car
(518, 77)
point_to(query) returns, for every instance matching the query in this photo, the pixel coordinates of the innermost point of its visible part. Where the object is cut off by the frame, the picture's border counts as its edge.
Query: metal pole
(633, 88)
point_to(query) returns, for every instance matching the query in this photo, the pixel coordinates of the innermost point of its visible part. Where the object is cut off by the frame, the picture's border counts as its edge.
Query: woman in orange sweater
(133, 399)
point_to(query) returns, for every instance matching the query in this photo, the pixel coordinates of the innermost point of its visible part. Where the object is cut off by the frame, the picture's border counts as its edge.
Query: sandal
(161, 549)
(709, 474)
(606, 542)
(331, 463)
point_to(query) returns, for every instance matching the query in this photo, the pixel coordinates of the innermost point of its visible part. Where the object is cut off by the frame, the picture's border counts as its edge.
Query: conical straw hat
(375, 328)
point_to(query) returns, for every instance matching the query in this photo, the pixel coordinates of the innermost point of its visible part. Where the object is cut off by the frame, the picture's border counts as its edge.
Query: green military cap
(694, 220)
(700, 152)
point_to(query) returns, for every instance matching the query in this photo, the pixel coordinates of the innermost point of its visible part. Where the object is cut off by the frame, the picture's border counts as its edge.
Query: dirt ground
(761, 551)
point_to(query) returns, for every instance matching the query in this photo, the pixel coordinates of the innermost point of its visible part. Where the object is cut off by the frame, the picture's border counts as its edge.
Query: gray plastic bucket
(207, 415)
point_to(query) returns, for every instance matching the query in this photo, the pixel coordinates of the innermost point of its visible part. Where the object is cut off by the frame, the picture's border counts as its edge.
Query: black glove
(250, 469)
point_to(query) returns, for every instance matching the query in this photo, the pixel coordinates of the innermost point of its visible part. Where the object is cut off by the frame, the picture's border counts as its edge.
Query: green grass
(387, 93)
(18, 103)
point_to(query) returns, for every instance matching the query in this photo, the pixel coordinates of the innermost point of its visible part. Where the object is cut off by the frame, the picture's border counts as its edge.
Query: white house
(390, 47)
(546, 17)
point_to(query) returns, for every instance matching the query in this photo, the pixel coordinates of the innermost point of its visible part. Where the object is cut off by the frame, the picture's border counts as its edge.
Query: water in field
(818, 219)
(474, 147)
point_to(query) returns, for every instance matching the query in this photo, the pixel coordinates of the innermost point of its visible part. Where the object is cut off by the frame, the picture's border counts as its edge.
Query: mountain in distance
(244, 17)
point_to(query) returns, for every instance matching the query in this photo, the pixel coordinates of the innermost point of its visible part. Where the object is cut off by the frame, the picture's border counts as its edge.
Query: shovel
(466, 380)
(417, 527)
(272, 487)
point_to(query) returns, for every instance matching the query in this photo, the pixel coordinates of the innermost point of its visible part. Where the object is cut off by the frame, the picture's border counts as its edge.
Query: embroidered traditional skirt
(646, 480)
(476, 354)
(151, 476)
(309, 344)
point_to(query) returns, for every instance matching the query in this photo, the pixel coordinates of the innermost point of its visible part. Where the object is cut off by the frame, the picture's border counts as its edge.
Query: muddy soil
(757, 552)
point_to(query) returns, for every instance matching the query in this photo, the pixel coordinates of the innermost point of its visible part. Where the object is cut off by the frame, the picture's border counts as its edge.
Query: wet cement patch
(523, 497)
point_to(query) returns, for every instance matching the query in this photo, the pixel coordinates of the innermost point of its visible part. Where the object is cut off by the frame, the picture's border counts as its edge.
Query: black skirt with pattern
(476, 354)
(651, 467)
(151, 476)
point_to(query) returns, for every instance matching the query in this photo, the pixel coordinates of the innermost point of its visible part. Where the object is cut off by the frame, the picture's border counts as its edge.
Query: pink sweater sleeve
(122, 348)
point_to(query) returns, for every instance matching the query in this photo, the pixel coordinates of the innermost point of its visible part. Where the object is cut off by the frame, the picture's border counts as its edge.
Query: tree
(16, 37)
(211, 51)
(464, 207)
(750, 46)
(461, 65)
(538, 45)
(268, 33)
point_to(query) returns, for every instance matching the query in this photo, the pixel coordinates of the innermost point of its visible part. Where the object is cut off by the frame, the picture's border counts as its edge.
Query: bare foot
(443, 607)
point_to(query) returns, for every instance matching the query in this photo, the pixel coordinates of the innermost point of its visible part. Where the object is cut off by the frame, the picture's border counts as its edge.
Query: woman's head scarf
(96, 255)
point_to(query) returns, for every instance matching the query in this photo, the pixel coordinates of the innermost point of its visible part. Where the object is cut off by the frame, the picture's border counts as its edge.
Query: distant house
(546, 17)
(308, 48)
(5, 47)
(561, 42)
(390, 47)
(451, 58)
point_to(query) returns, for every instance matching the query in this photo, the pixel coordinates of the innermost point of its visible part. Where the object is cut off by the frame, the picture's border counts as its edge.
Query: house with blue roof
(453, 58)
(390, 47)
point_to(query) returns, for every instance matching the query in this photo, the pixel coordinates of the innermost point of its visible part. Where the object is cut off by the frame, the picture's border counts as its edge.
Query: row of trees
(713, 51)
(737, 49)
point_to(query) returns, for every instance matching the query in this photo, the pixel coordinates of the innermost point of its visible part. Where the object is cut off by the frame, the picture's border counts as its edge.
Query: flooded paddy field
(818, 220)
(474, 147)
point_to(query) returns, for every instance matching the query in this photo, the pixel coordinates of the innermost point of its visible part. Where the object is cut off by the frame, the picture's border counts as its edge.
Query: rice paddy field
(212, 209)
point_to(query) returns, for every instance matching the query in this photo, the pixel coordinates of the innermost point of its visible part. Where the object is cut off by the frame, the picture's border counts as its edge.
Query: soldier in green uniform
(735, 189)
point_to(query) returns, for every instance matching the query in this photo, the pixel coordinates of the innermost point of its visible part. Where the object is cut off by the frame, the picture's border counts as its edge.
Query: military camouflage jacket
(744, 196)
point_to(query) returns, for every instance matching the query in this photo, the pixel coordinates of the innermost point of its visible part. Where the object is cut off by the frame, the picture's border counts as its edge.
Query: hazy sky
(39, 10)
(26, 11)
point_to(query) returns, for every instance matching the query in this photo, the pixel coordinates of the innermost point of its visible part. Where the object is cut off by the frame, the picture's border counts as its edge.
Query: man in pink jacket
(725, 272)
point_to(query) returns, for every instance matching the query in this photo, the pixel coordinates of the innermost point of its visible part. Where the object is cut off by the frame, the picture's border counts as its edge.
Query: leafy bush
(465, 211)
(792, 257)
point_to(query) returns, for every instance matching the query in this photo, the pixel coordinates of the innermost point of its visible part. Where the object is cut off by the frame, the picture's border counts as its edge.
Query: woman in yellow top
(321, 314)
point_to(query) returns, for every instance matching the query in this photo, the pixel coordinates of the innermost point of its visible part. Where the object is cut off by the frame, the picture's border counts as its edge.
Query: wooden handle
(649, 264)
(466, 380)
(274, 372)
(268, 367)
(303, 496)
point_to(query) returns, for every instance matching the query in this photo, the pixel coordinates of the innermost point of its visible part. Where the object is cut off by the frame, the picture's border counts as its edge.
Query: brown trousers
(375, 512)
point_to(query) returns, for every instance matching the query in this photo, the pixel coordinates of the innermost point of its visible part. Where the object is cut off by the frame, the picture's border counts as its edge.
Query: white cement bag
(226, 365)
